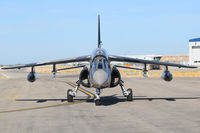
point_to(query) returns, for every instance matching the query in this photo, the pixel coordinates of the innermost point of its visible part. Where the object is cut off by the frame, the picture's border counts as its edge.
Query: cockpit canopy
(99, 62)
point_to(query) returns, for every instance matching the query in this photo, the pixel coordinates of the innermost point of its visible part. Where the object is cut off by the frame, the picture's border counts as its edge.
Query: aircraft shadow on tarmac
(111, 100)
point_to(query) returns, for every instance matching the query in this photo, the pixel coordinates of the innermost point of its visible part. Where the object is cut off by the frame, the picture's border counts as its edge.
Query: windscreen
(99, 63)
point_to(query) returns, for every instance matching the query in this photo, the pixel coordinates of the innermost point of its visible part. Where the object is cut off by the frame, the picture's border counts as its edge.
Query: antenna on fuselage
(99, 33)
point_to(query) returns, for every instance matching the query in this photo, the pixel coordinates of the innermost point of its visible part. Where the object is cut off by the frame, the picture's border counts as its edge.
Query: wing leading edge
(67, 60)
(142, 61)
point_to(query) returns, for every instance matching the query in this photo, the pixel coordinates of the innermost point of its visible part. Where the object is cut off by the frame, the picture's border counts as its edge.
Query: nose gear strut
(97, 99)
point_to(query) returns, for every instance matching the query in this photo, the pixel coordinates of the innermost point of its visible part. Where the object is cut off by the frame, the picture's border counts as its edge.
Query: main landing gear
(127, 93)
(72, 93)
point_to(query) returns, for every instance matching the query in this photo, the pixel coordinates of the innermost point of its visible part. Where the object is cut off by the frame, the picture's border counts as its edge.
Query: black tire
(130, 96)
(69, 97)
(97, 102)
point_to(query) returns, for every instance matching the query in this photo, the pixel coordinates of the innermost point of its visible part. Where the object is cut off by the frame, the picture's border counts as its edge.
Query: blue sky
(39, 30)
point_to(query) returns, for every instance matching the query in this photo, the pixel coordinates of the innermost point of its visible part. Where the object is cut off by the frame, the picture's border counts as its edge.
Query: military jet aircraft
(100, 73)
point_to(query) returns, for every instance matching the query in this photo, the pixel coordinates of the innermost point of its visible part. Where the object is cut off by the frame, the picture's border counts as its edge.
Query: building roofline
(194, 40)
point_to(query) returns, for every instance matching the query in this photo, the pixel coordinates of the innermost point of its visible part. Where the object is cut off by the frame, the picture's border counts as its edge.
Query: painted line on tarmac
(14, 96)
(9, 97)
(90, 97)
(43, 107)
(4, 75)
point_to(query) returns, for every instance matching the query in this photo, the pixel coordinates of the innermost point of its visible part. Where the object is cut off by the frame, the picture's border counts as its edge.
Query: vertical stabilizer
(99, 33)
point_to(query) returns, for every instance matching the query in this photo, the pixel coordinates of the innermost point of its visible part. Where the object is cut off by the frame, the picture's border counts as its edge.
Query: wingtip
(193, 67)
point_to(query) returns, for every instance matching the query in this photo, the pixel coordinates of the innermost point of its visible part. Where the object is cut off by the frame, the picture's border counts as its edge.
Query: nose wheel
(97, 102)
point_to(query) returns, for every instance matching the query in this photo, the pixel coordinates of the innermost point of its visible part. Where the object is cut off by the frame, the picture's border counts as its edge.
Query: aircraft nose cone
(100, 77)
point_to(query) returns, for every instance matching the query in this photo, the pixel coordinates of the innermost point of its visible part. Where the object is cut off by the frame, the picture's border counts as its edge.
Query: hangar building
(194, 51)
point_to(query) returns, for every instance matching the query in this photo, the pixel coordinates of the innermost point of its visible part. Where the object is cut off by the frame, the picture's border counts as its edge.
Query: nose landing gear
(97, 99)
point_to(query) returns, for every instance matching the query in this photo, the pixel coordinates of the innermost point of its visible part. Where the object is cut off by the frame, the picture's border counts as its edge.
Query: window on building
(195, 47)
(196, 61)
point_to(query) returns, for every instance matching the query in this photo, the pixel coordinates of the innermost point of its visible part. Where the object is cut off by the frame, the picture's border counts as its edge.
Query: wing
(142, 61)
(128, 67)
(70, 68)
(68, 60)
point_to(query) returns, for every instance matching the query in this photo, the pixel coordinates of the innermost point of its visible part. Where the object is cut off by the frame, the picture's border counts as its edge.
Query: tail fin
(99, 33)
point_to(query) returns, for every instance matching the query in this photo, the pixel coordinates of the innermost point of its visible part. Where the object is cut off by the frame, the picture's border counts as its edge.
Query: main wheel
(130, 96)
(69, 97)
(97, 102)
